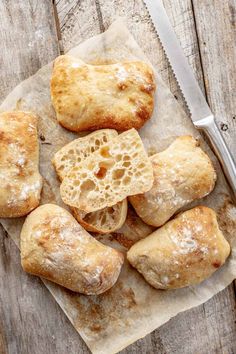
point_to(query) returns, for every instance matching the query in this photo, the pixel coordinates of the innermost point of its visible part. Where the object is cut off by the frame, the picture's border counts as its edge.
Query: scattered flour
(28, 189)
(185, 243)
(21, 161)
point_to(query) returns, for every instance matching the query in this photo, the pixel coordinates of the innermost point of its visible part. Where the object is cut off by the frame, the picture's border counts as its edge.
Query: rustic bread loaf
(91, 97)
(182, 173)
(105, 220)
(54, 246)
(183, 252)
(118, 169)
(20, 181)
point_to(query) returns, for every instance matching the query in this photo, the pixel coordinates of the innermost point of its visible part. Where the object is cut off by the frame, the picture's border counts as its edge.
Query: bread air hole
(116, 183)
(104, 152)
(141, 165)
(119, 157)
(126, 180)
(126, 164)
(101, 172)
(103, 167)
(104, 220)
(118, 174)
(86, 187)
(110, 210)
(76, 183)
(126, 158)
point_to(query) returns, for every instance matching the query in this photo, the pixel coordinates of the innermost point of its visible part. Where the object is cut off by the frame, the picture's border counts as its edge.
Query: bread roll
(54, 246)
(118, 169)
(91, 97)
(107, 219)
(182, 173)
(183, 252)
(20, 181)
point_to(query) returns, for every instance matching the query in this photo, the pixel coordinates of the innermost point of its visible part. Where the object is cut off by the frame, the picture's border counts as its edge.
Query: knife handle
(208, 125)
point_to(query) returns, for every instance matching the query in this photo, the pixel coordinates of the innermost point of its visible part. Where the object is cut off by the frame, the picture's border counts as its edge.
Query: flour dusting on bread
(91, 97)
(183, 252)
(182, 173)
(20, 181)
(56, 247)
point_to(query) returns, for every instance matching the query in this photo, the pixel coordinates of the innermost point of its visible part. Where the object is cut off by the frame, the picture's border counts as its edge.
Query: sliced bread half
(116, 170)
(102, 221)
(77, 150)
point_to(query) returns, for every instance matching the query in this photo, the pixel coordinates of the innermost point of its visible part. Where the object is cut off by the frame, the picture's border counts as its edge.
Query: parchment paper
(132, 308)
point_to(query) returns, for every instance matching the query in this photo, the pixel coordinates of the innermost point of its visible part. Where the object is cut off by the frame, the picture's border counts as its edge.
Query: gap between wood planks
(57, 25)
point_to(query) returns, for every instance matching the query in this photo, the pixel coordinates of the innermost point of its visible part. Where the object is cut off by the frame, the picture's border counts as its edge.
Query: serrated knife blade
(201, 114)
(193, 95)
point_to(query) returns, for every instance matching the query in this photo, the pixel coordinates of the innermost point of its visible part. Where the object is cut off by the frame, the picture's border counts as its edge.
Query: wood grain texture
(30, 320)
(216, 28)
(28, 40)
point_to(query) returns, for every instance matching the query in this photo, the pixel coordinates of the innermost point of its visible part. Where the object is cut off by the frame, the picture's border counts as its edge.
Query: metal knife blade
(193, 95)
(201, 114)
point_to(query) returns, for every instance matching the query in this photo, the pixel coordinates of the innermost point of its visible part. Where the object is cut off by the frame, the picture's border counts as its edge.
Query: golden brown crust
(182, 173)
(90, 97)
(183, 252)
(54, 246)
(20, 181)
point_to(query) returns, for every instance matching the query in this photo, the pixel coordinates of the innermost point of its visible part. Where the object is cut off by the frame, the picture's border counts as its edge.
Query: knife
(201, 114)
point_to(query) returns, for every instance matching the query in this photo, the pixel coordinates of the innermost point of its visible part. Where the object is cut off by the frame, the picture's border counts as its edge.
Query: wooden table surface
(34, 32)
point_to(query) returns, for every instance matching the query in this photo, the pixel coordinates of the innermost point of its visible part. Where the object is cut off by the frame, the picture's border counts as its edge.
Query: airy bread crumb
(118, 169)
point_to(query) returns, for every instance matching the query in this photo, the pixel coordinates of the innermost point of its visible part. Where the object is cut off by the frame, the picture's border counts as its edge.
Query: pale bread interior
(77, 150)
(105, 220)
(116, 170)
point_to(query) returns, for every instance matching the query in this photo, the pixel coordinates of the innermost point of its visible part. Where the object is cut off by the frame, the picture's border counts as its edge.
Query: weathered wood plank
(31, 322)
(28, 40)
(218, 55)
(216, 27)
(79, 17)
